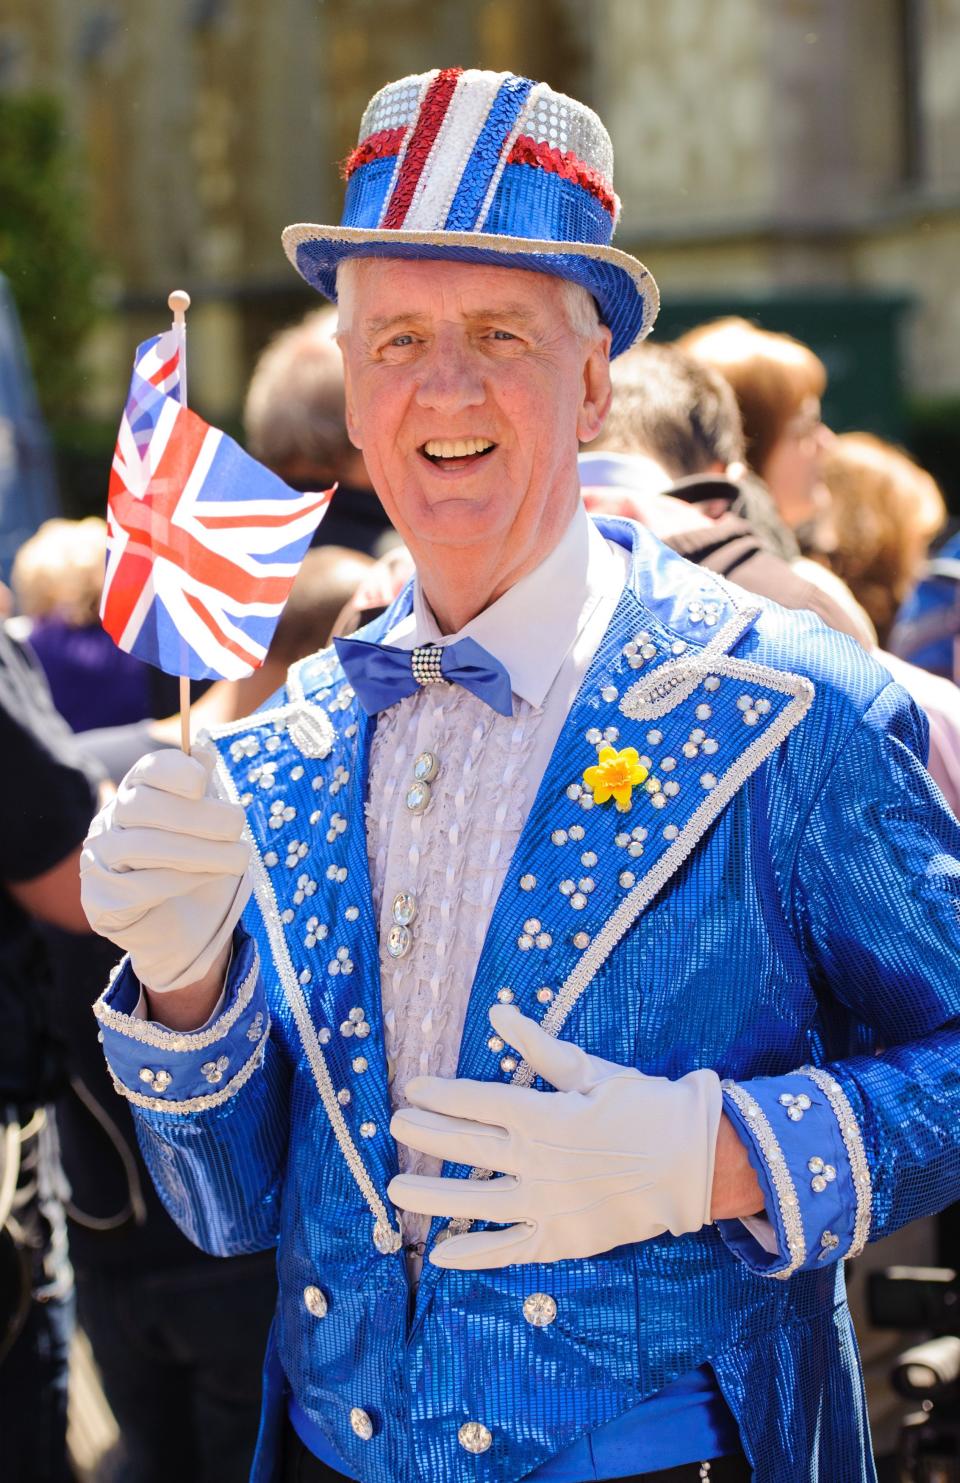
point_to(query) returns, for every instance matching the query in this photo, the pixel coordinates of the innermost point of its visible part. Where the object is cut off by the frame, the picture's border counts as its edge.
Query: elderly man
(627, 899)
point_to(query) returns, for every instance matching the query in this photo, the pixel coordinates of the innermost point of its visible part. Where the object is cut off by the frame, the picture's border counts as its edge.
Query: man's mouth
(456, 453)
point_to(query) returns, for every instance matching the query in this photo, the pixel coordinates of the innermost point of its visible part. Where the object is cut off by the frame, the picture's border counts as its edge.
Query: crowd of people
(717, 445)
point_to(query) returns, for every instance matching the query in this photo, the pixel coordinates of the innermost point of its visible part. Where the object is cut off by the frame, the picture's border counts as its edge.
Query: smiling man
(562, 973)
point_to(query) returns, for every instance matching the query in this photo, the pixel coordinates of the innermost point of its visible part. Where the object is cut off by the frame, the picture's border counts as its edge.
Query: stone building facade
(810, 146)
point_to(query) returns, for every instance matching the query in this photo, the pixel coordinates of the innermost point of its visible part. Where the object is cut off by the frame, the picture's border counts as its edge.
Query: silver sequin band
(149, 1033)
(856, 1153)
(270, 914)
(756, 1120)
(206, 1100)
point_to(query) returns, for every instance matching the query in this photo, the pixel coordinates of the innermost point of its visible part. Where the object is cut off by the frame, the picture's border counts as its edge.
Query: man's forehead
(387, 288)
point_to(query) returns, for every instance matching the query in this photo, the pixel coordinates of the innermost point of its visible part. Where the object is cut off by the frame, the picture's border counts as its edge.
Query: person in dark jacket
(173, 1331)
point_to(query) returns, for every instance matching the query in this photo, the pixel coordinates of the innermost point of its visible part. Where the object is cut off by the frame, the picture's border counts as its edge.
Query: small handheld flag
(203, 542)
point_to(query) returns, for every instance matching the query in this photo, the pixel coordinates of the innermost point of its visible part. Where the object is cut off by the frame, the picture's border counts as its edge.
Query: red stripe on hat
(543, 156)
(379, 146)
(432, 113)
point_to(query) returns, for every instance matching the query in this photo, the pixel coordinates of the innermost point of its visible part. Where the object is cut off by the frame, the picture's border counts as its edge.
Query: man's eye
(503, 335)
(402, 341)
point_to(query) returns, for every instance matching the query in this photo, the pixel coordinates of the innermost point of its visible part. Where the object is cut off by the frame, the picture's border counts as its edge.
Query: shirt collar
(534, 625)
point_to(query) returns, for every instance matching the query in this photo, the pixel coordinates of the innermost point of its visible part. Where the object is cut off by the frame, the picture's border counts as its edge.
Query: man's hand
(611, 1157)
(164, 874)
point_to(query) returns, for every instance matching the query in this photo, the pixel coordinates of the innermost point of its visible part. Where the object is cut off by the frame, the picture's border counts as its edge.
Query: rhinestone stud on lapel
(473, 1436)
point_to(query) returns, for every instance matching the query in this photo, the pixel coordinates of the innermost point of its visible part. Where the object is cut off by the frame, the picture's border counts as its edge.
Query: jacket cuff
(805, 1145)
(177, 1071)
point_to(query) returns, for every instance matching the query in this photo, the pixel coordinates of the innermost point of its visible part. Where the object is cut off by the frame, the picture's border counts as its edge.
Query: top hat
(484, 167)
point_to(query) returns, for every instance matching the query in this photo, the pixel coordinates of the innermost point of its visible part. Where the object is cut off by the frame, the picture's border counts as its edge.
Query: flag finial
(179, 303)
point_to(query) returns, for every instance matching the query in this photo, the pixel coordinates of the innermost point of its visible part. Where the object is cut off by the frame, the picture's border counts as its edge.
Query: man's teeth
(456, 448)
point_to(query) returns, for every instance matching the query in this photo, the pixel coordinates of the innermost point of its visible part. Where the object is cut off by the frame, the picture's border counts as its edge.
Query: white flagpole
(179, 302)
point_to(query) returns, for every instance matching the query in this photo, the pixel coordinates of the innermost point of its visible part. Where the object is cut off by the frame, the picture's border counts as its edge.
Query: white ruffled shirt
(452, 857)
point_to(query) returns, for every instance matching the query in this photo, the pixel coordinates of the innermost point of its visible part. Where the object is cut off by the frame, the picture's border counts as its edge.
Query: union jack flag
(203, 542)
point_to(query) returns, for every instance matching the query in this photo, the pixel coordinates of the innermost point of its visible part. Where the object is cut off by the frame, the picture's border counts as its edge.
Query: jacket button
(315, 1302)
(360, 1424)
(539, 1309)
(473, 1436)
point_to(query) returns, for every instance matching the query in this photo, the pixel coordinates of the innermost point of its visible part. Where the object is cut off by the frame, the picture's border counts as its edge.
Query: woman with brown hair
(778, 384)
(886, 511)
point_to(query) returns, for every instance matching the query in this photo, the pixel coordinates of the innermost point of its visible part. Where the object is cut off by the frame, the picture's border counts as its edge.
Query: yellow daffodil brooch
(615, 776)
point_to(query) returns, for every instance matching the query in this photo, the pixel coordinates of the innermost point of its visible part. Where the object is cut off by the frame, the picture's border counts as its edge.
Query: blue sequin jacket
(780, 903)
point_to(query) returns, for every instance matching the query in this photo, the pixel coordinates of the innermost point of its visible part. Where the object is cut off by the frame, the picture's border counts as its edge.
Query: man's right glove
(164, 871)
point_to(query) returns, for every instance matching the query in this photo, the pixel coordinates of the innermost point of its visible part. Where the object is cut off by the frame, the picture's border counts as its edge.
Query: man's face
(467, 390)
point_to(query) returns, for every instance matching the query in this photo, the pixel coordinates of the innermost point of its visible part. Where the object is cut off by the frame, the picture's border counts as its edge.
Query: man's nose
(450, 380)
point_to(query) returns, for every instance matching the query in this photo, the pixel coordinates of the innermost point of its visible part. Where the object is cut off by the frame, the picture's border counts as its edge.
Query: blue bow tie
(381, 675)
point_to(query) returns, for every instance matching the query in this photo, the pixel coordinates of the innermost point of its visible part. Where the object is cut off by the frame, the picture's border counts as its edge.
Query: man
(568, 836)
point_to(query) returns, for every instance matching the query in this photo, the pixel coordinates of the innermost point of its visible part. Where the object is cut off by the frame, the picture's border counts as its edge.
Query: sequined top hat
(484, 167)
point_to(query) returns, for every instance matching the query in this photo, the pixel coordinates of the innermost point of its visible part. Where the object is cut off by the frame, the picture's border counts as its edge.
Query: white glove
(612, 1157)
(164, 870)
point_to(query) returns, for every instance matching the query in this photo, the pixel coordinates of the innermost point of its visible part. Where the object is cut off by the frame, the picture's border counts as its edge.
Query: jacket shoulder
(297, 717)
(702, 610)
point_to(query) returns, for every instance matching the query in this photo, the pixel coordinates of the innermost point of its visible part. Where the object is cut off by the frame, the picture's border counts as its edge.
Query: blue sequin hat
(484, 167)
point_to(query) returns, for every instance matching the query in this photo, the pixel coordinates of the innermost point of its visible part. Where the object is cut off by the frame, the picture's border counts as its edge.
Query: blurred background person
(671, 455)
(57, 579)
(887, 510)
(44, 812)
(671, 440)
(927, 627)
(779, 383)
(173, 1330)
(294, 424)
(325, 583)
(381, 585)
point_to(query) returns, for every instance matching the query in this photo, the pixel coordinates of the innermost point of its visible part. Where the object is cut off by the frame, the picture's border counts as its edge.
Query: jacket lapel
(304, 796)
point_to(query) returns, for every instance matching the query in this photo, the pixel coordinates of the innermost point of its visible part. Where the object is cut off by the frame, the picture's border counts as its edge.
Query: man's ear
(597, 390)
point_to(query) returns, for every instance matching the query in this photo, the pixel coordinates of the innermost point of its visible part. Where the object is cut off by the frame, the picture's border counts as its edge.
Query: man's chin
(458, 517)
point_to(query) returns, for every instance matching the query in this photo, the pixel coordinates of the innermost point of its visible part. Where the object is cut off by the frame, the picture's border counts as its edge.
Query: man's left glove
(611, 1157)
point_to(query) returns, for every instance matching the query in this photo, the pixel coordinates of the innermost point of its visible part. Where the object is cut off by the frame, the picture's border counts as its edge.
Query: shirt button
(398, 941)
(361, 1424)
(418, 797)
(404, 908)
(473, 1436)
(426, 767)
(315, 1302)
(540, 1309)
